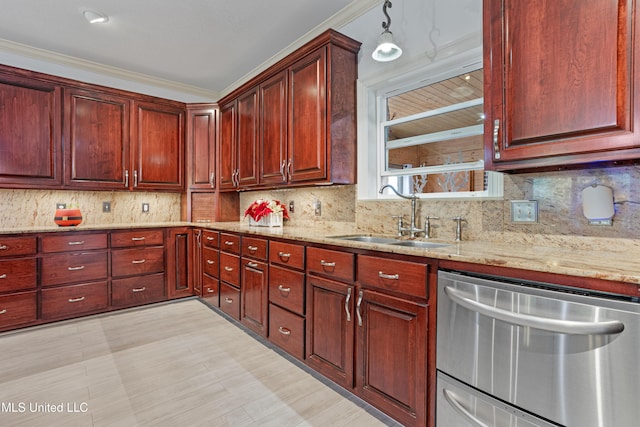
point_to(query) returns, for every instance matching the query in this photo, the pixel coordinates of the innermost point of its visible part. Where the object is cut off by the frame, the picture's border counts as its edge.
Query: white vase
(271, 220)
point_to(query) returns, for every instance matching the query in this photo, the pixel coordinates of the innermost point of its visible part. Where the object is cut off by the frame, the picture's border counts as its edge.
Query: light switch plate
(524, 211)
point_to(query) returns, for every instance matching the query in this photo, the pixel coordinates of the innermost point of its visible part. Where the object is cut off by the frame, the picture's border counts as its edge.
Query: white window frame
(372, 101)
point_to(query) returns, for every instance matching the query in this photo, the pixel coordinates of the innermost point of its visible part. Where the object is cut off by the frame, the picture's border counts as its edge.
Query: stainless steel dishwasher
(535, 354)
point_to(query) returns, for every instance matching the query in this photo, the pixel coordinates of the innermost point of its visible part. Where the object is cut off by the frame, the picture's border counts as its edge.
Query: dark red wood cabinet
(201, 146)
(30, 131)
(560, 82)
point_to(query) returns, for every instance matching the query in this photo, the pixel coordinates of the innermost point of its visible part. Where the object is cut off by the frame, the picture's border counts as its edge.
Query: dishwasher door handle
(537, 322)
(451, 399)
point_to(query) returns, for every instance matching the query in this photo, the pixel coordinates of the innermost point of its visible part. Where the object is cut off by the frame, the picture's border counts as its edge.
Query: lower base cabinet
(211, 290)
(137, 290)
(286, 330)
(18, 309)
(391, 356)
(230, 300)
(74, 300)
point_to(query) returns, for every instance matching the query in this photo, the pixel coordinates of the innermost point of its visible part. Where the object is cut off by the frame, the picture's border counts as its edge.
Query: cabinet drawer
(130, 262)
(286, 330)
(288, 254)
(211, 290)
(73, 267)
(74, 242)
(286, 288)
(334, 264)
(123, 239)
(211, 239)
(11, 246)
(230, 243)
(393, 275)
(210, 261)
(137, 290)
(69, 301)
(255, 248)
(230, 268)
(17, 274)
(18, 309)
(230, 300)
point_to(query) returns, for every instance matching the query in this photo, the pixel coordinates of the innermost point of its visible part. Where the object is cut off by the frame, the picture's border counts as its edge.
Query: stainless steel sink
(390, 241)
(366, 239)
(420, 244)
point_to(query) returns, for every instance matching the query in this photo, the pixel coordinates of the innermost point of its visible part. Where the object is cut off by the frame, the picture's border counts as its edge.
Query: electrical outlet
(145, 208)
(524, 211)
(106, 207)
(291, 206)
(317, 207)
(61, 205)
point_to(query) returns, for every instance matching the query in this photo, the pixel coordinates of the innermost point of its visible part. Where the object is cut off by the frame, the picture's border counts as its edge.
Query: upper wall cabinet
(559, 83)
(305, 120)
(96, 132)
(201, 146)
(158, 147)
(30, 133)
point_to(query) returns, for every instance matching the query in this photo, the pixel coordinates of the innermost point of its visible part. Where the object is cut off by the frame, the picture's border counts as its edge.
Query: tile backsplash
(35, 208)
(561, 222)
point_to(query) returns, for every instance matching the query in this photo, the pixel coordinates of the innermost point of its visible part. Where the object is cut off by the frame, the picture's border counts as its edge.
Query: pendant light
(387, 50)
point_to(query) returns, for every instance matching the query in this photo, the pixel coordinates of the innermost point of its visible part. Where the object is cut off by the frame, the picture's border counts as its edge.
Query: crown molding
(106, 70)
(340, 19)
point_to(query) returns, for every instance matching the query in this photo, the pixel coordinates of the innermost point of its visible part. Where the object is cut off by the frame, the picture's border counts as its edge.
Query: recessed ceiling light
(95, 17)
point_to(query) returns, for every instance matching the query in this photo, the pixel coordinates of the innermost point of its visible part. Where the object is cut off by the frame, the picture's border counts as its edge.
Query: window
(430, 135)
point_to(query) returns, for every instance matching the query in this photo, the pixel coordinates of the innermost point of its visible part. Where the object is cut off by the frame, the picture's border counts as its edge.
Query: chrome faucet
(413, 228)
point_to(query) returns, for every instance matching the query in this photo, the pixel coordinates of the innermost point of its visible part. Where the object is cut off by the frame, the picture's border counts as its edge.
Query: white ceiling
(198, 46)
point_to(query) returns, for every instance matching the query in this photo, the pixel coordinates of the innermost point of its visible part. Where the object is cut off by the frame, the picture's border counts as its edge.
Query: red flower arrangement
(261, 208)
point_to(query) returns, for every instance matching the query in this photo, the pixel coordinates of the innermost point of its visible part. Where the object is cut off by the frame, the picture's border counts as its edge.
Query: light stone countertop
(610, 265)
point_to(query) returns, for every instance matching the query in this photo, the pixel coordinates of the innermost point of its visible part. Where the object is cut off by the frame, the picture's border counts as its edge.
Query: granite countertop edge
(614, 266)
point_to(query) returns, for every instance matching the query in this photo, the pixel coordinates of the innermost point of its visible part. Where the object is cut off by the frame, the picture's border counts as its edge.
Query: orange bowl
(67, 217)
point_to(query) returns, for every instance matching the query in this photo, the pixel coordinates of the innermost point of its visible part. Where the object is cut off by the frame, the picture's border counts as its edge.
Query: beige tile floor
(178, 364)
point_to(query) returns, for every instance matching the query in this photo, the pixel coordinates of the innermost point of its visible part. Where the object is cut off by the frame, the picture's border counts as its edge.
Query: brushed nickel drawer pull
(138, 261)
(80, 242)
(210, 262)
(3, 247)
(209, 238)
(358, 305)
(252, 248)
(228, 242)
(227, 268)
(284, 255)
(327, 264)
(81, 267)
(284, 331)
(3, 276)
(388, 276)
(252, 265)
(346, 305)
(76, 299)
(137, 239)
(3, 311)
(283, 289)
(211, 291)
(228, 300)
(142, 289)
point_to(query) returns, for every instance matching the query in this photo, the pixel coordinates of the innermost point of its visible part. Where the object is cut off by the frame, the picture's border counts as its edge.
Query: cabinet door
(392, 356)
(30, 135)
(201, 148)
(330, 329)
(159, 147)
(254, 295)
(273, 130)
(247, 165)
(307, 118)
(179, 275)
(96, 128)
(561, 92)
(227, 147)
